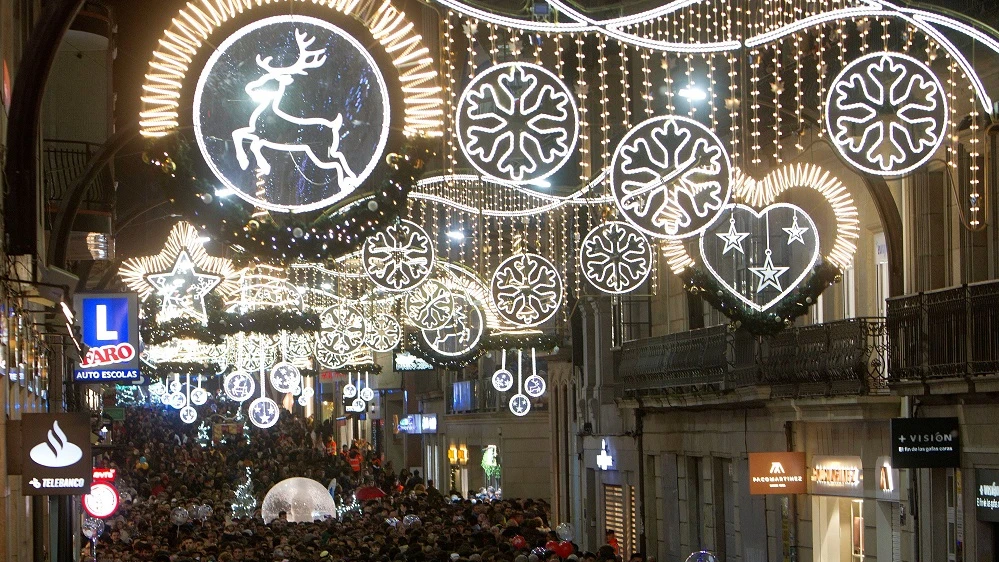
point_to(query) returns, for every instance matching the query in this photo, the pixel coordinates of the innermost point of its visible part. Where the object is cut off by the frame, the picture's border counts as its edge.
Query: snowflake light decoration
(430, 306)
(342, 330)
(887, 113)
(188, 414)
(527, 289)
(615, 257)
(181, 275)
(517, 121)
(671, 176)
(384, 332)
(462, 334)
(398, 258)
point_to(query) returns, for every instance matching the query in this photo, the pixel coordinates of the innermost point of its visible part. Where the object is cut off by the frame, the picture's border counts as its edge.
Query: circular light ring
(430, 306)
(462, 334)
(175, 400)
(343, 330)
(349, 390)
(199, 396)
(195, 24)
(384, 332)
(520, 405)
(188, 414)
(224, 176)
(102, 501)
(652, 206)
(534, 386)
(366, 394)
(285, 377)
(502, 380)
(850, 106)
(239, 386)
(399, 258)
(615, 257)
(527, 289)
(264, 412)
(561, 128)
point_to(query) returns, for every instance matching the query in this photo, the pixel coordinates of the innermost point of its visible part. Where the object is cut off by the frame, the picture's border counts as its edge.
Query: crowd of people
(163, 464)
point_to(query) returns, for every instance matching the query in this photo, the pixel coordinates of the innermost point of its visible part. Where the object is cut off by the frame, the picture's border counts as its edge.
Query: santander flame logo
(56, 451)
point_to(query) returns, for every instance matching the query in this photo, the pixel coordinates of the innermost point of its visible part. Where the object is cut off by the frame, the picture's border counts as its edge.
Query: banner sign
(925, 443)
(987, 494)
(776, 473)
(110, 326)
(837, 476)
(56, 458)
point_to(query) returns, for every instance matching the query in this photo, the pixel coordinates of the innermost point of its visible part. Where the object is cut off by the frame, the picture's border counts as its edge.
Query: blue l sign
(105, 320)
(110, 327)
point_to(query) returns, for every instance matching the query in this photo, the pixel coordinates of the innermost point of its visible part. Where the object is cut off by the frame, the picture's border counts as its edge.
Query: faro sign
(110, 326)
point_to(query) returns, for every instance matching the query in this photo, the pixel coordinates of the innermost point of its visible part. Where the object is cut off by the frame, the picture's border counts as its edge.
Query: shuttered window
(620, 515)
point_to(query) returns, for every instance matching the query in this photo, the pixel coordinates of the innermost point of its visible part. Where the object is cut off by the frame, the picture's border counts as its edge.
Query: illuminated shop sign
(925, 443)
(110, 326)
(776, 473)
(887, 480)
(56, 458)
(987, 494)
(837, 476)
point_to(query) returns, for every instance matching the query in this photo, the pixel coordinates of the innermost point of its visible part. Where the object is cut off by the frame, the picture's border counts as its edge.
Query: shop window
(619, 516)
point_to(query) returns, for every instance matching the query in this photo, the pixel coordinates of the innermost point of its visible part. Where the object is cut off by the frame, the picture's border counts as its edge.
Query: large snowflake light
(670, 176)
(887, 113)
(430, 306)
(343, 330)
(615, 257)
(527, 289)
(384, 332)
(517, 121)
(398, 258)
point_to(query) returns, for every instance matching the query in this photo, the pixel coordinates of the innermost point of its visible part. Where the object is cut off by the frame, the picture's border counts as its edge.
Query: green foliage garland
(314, 236)
(222, 324)
(795, 304)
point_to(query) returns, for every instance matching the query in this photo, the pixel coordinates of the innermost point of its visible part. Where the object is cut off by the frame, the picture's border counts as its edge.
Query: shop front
(838, 516)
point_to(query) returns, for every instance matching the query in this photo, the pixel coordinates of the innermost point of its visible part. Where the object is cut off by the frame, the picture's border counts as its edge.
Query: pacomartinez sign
(776, 473)
(925, 443)
(56, 458)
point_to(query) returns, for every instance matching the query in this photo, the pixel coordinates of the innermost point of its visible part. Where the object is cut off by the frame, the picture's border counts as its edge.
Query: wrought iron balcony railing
(65, 161)
(843, 357)
(946, 333)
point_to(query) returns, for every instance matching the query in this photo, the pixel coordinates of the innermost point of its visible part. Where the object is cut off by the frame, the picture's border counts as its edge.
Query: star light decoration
(181, 275)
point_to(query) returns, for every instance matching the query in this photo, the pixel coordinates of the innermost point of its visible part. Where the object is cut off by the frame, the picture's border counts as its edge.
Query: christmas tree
(244, 504)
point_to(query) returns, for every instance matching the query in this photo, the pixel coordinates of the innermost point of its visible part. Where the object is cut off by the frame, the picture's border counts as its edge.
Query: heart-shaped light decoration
(763, 256)
(760, 257)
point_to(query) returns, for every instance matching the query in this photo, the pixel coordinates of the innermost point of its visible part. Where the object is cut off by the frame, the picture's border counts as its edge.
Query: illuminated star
(795, 232)
(182, 290)
(769, 275)
(733, 239)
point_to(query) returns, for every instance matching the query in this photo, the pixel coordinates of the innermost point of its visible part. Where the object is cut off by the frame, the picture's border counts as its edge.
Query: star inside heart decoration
(764, 260)
(181, 275)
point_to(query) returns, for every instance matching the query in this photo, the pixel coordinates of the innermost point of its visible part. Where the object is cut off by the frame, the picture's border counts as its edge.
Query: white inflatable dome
(303, 499)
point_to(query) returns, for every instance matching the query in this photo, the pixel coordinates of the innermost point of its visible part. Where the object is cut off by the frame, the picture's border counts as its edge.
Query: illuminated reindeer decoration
(272, 128)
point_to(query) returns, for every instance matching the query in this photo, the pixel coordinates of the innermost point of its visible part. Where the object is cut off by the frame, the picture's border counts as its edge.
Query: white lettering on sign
(108, 355)
(103, 334)
(62, 482)
(836, 475)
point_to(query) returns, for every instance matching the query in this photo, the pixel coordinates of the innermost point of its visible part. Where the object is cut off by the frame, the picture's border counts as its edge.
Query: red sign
(102, 501)
(104, 474)
(776, 473)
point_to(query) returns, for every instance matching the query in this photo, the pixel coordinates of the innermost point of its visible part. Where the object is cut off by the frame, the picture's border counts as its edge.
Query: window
(620, 517)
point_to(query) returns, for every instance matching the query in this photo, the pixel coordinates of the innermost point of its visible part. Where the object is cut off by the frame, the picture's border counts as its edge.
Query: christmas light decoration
(615, 257)
(527, 289)
(400, 257)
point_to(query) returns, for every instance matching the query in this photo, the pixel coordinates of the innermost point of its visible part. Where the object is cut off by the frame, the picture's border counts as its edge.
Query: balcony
(843, 357)
(949, 333)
